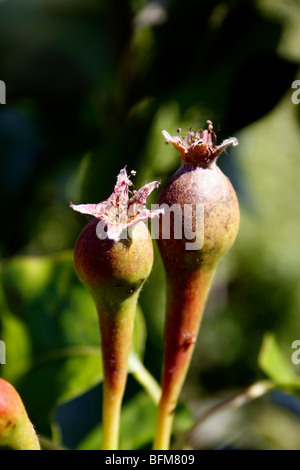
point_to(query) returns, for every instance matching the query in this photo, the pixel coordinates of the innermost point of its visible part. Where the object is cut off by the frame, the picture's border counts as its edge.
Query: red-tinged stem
(185, 305)
(189, 273)
(116, 338)
(114, 273)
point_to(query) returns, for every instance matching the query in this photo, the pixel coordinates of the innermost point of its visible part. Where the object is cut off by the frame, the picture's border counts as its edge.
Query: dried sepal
(199, 148)
(123, 208)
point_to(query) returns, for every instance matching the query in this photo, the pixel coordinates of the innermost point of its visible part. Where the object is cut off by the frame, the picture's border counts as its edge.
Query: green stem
(47, 444)
(145, 379)
(163, 427)
(111, 412)
(253, 392)
(116, 328)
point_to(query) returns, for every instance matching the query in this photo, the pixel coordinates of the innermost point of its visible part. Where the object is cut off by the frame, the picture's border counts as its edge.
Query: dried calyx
(124, 208)
(199, 148)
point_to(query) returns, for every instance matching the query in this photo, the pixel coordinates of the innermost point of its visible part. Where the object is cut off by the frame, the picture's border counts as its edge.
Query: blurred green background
(90, 86)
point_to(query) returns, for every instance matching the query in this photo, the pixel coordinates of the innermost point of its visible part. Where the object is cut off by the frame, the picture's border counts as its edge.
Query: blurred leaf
(62, 46)
(102, 78)
(276, 426)
(138, 425)
(273, 362)
(287, 12)
(50, 327)
(196, 61)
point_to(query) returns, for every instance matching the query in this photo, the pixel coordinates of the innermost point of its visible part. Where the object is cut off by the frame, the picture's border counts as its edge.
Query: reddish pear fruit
(198, 183)
(113, 258)
(16, 430)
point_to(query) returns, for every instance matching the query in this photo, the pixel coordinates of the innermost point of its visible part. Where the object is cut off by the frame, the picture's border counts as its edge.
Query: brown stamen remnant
(199, 148)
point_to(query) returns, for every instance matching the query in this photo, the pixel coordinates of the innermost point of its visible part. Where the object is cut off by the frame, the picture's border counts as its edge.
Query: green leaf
(274, 364)
(137, 428)
(50, 328)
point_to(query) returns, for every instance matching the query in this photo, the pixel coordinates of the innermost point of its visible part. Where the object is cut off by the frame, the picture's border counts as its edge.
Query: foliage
(90, 87)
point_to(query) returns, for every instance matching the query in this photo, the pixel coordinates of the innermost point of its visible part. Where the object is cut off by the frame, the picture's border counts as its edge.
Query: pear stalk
(113, 257)
(185, 307)
(116, 338)
(190, 272)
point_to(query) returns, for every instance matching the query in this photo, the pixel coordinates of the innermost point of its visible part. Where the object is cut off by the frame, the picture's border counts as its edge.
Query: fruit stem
(111, 419)
(143, 376)
(116, 327)
(185, 306)
(163, 428)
